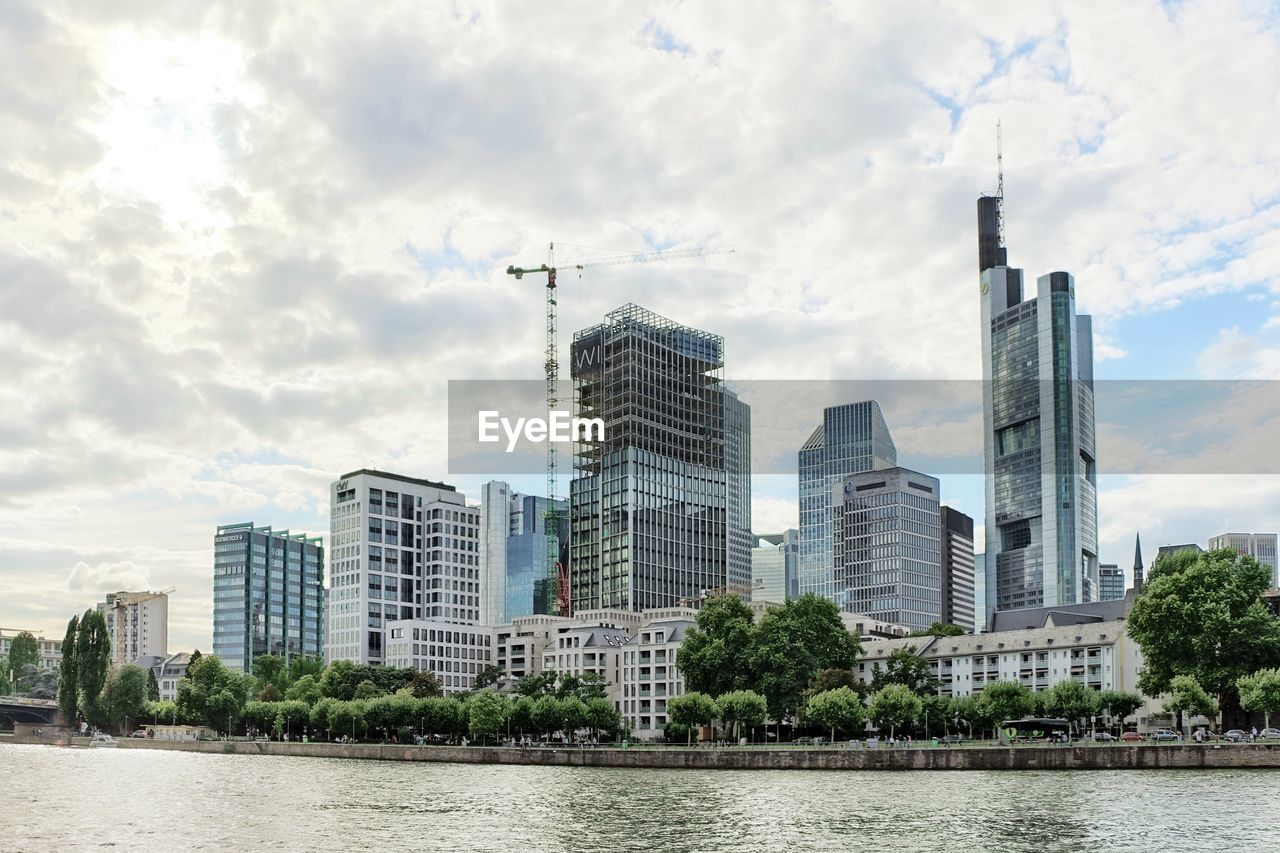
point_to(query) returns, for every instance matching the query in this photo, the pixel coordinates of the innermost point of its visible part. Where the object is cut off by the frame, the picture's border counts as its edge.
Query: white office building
(1260, 546)
(50, 651)
(400, 549)
(454, 653)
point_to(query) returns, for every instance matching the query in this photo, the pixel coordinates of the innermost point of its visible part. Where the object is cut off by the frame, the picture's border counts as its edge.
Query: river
(75, 799)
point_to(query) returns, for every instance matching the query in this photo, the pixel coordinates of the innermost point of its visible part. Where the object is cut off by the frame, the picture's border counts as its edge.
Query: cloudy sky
(244, 248)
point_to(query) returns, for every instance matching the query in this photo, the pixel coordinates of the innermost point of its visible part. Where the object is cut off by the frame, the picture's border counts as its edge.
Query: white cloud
(106, 577)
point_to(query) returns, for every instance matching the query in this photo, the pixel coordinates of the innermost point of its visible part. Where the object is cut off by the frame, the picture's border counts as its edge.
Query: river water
(65, 799)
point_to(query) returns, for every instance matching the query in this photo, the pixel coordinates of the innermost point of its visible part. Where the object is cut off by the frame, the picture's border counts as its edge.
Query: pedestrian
(1253, 734)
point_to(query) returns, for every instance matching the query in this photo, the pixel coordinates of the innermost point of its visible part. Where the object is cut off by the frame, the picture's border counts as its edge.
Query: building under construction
(138, 624)
(651, 517)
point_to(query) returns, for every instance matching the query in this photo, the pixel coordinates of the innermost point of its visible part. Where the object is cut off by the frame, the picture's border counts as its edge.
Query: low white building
(650, 676)
(580, 649)
(168, 670)
(454, 653)
(50, 650)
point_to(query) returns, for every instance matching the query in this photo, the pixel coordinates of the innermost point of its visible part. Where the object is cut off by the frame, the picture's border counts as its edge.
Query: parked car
(1131, 737)
(1164, 735)
(1104, 737)
(1269, 734)
(138, 733)
(952, 739)
(1207, 736)
(1236, 736)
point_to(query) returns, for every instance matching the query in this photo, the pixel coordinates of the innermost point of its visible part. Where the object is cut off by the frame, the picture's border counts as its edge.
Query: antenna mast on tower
(999, 185)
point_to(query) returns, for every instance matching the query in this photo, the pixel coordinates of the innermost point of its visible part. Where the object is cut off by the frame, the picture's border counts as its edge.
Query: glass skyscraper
(1038, 411)
(513, 552)
(851, 439)
(268, 594)
(652, 522)
(1110, 582)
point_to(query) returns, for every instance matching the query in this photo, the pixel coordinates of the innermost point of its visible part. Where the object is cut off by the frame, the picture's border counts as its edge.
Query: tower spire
(1137, 562)
(999, 185)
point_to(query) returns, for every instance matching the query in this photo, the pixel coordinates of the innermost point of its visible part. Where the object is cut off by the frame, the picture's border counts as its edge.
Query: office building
(852, 438)
(50, 651)
(268, 594)
(649, 504)
(514, 552)
(402, 548)
(650, 677)
(737, 466)
(1169, 550)
(982, 581)
(1260, 546)
(775, 566)
(455, 653)
(1110, 582)
(1038, 413)
(138, 624)
(887, 546)
(956, 530)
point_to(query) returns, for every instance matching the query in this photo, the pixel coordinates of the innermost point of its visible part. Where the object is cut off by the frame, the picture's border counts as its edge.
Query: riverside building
(138, 624)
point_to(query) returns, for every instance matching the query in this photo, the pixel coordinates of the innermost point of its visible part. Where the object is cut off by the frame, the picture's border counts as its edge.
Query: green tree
(292, 716)
(488, 676)
(36, 682)
(270, 670)
(522, 714)
(336, 681)
(602, 716)
(23, 651)
(793, 644)
(937, 712)
(163, 712)
(347, 718)
(488, 713)
(905, 667)
(973, 714)
(715, 656)
(832, 679)
(301, 666)
(1119, 704)
(7, 687)
(93, 659)
(1002, 701)
(368, 690)
(591, 685)
(259, 716)
(939, 629)
(742, 708)
(538, 685)
(212, 694)
(895, 705)
(425, 684)
(318, 719)
(840, 709)
(692, 710)
(547, 715)
(1186, 695)
(305, 689)
(1202, 615)
(574, 712)
(1072, 701)
(153, 686)
(1260, 692)
(125, 695)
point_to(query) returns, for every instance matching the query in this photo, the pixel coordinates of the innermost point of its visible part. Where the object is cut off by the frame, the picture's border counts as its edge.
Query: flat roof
(400, 477)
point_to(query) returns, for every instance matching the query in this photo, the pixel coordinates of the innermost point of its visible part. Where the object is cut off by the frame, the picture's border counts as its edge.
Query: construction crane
(557, 592)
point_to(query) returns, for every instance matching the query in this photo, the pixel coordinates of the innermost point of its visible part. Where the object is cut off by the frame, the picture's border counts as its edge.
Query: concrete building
(168, 670)
(956, 531)
(50, 651)
(514, 552)
(454, 653)
(651, 522)
(774, 567)
(1038, 410)
(401, 548)
(650, 676)
(268, 594)
(580, 649)
(852, 438)
(138, 624)
(1167, 550)
(887, 546)
(737, 466)
(1110, 582)
(1260, 546)
(518, 646)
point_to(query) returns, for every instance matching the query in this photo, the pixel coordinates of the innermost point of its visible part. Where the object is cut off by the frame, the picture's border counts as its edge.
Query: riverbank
(1099, 757)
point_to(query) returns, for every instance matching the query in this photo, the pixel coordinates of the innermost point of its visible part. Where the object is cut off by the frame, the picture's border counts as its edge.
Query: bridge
(20, 709)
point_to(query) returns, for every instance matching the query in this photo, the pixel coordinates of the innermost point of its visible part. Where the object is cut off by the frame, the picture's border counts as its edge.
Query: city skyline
(155, 235)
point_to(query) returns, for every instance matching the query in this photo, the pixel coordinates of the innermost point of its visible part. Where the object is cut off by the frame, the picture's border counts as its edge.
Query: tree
(895, 705)
(270, 670)
(832, 679)
(1004, 700)
(1119, 704)
(1187, 695)
(742, 707)
(1201, 615)
(425, 684)
(36, 682)
(547, 715)
(591, 685)
(715, 656)
(1261, 692)
(93, 658)
(153, 686)
(259, 715)
(692, 710)
(305, 689)
(939, 629)
(793, 644)
(574, 712)
(522, 714)
(292, 716)
(318, 719)
(347, 718)
(487, 676)
(488, 713)
(537, 685)
(6, 678)
(212, 694)
(301, 666)
(937, 711)
(23, 651)
(1072, 701)
(368, 690)
(839, 709)
(336, 681)
(269, 693)
(162, 712)
(602, 716)
(125, 695)
(905, 667)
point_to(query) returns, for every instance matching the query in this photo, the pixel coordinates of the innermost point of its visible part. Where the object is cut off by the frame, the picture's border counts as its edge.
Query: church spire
(1137, 562)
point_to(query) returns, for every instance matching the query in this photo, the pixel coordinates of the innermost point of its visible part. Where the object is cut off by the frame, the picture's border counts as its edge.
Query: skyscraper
(1260, 546)
(1038, 412)
(651, 521)
(268, 594)
(1110, 582)
(513, 552)
(737, 466)
(956, 531)
(401, 548)
(773, 567)
(887, 546)
(852, 438)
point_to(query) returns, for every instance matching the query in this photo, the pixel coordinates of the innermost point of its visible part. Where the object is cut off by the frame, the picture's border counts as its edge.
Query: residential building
(1038, 412)
(649, 503)
(518, 646)
(168, 670)
(1260, 546)
(852, 438)
(50, 651)
(514, 552)
(402, 548)
(1110, 582)
(774, 567)
(956, 530)
(580, 649)
(268, 594)
(454, 653)
(138, 624)
(887, 546)
(650, 676)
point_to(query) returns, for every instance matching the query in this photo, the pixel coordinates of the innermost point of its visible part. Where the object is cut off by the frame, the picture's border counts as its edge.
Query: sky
(244, 248)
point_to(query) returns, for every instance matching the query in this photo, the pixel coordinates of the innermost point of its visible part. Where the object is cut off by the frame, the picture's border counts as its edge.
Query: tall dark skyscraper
(652, 521)
(956, 531)
(1038, 409)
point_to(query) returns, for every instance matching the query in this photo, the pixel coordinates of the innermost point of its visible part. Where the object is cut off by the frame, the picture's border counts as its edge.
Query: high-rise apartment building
(401, 548)
(1260, 546)
(268, 594)
(514, 549)
(888, 546)
(1110, 582)
(1038, 411)
(649, 505)
(138, 624)
(956, 530)
(774, 564)
(852, 438)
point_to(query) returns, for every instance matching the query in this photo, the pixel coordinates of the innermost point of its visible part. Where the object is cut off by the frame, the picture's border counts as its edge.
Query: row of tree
(21, 673)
